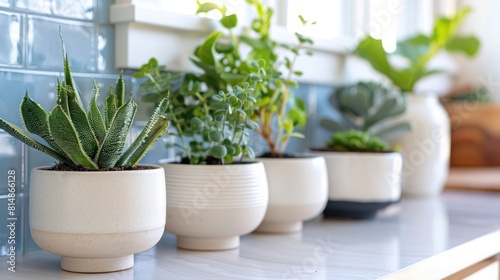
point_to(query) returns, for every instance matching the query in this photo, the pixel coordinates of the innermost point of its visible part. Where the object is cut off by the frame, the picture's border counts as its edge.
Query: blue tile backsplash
(31, 60)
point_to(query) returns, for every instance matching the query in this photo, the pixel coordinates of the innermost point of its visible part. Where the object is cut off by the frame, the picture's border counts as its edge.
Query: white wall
(484, 22)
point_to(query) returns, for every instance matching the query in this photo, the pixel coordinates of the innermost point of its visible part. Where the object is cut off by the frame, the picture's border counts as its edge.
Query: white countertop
(408, 237)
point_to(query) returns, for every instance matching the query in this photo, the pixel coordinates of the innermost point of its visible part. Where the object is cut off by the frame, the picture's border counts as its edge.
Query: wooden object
(475, 134)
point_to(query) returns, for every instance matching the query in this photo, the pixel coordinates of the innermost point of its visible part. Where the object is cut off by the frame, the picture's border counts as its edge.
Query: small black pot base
(354, 210)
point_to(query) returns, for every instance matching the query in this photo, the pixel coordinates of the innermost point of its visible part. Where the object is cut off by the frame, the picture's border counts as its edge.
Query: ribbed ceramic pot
(210, 206)
(360, 184)
(298, 191)
(97, 220)
(426, 149)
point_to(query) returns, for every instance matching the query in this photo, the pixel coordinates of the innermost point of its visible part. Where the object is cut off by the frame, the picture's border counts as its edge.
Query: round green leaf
(215, 136)
(231, 150)
(237, 149)
(218, 151)
(197, 124)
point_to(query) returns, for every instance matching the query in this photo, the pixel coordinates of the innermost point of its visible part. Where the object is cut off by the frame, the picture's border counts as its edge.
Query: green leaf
(206, 51)
(35, 120)
(66, 137)
(112, 146)
(95, 118)
(207, 7)
(110, 107)
(19, 134)
(120, 91)
(159, 129)
(197, 124)
(62, 97)
(229, 21)
(215, 136)
(249, 152)
(148, 136)
(231, 151)
(372, 50)
(392, 131)
(233, 78)
(302, 20)
(218, 151)
(331, 125)
(80, 121)
(467, 45)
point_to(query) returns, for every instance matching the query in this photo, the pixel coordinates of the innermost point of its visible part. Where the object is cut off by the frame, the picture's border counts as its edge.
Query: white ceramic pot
(97, 220)
(210, 206)
(426, 149)
(298, 191)
(360, 184)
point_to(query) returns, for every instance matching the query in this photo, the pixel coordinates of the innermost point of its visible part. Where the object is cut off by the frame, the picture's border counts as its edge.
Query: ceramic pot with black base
(361, 184)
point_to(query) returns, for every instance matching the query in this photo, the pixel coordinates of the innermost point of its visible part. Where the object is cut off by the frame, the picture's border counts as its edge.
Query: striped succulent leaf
(114, 142)
(110, 107)
(65, 135)
(35, 121)
(95, 118)
(147, 137)
(19, 134)
(80, 122)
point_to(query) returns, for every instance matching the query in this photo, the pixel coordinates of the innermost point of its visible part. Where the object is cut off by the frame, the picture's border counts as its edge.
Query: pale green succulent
(367, 106)
(88, 140)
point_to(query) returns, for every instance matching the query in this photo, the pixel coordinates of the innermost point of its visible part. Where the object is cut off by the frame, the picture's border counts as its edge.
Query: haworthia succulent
(19, 134)
(95, 118)
(82, 139)
(114, 142)
(66, 137)
(140, 142)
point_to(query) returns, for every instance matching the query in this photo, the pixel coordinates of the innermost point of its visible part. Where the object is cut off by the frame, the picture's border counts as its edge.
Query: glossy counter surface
(414, 231)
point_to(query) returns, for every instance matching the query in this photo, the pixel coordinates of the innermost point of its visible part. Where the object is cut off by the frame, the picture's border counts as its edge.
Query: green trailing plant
(367, 107)
(418, 51)
(212, 127)
(356, 141)
(88, 140)
(279, 113)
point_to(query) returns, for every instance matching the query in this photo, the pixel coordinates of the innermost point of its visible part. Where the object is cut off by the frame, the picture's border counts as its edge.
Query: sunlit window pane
(327, 14)
(189, 7)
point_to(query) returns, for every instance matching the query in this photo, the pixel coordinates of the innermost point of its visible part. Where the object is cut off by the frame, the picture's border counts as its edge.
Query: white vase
(210, 206)
(426, 149)
(97, 220)
(298, 191)
(360, 184)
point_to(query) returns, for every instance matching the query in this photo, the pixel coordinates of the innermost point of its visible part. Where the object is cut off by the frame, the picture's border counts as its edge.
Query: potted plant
(213, 196)
(297, 184)
(356, 147)
(427, 148)
(96, 207)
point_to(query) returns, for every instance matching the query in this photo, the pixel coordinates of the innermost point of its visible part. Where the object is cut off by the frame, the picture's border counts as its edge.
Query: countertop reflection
(402, 235)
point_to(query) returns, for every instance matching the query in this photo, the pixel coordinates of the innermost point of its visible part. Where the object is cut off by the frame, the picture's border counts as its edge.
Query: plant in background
(363, 111)
(211, 126)
(418, 51)
(88, 140)
(479, 94)
(366, 107)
